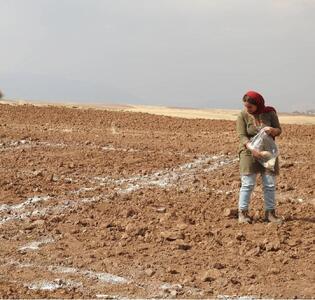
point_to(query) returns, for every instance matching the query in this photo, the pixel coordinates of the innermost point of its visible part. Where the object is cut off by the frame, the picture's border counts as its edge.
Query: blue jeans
(248, 184)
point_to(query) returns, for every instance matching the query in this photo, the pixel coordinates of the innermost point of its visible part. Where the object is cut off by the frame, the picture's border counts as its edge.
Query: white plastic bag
(265, 144)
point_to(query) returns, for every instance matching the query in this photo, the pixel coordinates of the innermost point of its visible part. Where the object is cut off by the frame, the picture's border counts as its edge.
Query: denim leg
(269, 186)
(248, 184)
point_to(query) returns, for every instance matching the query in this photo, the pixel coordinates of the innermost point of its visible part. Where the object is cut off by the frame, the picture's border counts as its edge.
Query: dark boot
(270, 216)
(243, 217)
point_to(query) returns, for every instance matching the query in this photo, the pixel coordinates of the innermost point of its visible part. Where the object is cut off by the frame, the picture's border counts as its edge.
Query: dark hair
(249, 100)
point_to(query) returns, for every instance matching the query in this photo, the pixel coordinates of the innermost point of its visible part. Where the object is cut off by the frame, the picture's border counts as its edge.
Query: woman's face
(251, 108)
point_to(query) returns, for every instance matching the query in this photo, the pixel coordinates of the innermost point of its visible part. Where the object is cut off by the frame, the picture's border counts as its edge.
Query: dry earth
(100, 204)
(188, 113)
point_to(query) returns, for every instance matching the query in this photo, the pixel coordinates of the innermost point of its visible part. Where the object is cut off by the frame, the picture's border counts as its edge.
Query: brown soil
(100, 204)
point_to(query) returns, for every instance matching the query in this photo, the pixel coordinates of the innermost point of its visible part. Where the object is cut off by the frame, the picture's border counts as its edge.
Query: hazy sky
(191, 53)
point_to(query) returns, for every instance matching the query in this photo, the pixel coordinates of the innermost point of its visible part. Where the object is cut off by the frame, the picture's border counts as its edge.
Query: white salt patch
(111, 148)
(45, 285)
(15, 263)
(49, 210)
(36, 244)
(103, 296)
(89, 200)
(166, 178)
(51, 144)
(59, 269)
(82, 190)
(168, 286)
(29, 201)
(25, 144)
(226, 297)
(163, 179)
(106, 277)
(100, 276)
(22, 216)
(131, 188)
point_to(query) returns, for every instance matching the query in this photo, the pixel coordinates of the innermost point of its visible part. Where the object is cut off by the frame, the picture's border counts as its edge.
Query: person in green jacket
(250, 121)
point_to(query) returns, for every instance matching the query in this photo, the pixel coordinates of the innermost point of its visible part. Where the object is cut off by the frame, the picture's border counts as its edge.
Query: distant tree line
(308, 112)
(1, 94)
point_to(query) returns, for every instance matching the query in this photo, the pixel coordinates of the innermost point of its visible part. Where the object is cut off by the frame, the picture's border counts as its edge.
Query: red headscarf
(260, 103)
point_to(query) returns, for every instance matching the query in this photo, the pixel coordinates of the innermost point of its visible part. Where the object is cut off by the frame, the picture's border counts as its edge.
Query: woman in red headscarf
(252, 119)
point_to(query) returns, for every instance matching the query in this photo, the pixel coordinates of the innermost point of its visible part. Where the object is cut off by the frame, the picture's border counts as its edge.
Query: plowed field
(105, 204)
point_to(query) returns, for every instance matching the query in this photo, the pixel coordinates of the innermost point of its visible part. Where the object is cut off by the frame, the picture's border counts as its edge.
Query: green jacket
(246, 129)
